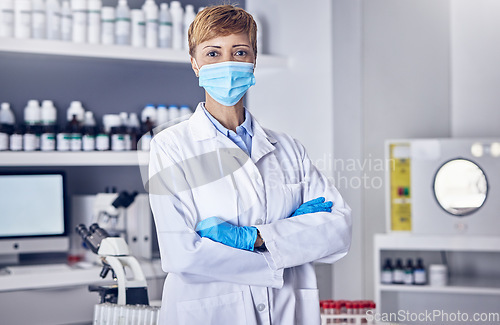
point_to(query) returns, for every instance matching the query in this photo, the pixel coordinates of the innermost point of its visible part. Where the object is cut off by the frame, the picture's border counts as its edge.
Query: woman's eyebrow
(218, 47)
(240, 45)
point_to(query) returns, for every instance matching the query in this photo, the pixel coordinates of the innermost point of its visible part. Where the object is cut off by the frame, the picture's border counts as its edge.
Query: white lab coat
(196, 173)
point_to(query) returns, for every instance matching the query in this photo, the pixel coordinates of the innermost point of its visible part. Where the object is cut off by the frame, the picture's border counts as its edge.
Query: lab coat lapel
(202, 129)
(200, 126)
(262, 142)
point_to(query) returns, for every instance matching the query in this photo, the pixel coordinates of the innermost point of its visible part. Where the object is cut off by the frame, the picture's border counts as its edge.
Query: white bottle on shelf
(177, 25)
(151, 14)
(48, 113)
(75, 108)
(48, 122)
(138, 27)
(22, 19)
(94, 21)
(184, 110)
(188, 19)
(122, 27)
(32, 117)
(6, 125)
(173, 113)
(6, 114)
(161, 114)
(165, 27)
(79, 8)
(32, 112)
(88, 134)
(127, 139)
(53, 19)
(7, 18)
(149, 111)
(108, 25)
(66, 21)
(38, 19)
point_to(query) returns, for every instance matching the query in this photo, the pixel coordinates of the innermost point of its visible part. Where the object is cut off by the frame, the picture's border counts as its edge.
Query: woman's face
(234, 47)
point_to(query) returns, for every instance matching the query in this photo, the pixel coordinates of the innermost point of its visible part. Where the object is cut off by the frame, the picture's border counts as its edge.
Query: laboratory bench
(58, 294)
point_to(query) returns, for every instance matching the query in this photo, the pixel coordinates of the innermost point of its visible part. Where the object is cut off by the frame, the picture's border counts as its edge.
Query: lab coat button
(261, 307)
(258, 222)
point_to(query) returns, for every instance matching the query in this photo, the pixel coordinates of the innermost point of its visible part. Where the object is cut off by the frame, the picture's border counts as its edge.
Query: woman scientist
(240, 210)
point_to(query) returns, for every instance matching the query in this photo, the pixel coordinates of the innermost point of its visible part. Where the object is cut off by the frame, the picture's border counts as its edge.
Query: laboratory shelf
(69, 278)
(114, 52)
(456, 286)
(80, 158)
(433, 243)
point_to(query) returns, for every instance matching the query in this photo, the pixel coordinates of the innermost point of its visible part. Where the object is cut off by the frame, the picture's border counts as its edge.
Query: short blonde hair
(221, 20)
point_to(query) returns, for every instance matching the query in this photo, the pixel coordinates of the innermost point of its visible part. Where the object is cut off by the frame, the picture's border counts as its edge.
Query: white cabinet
(473, 281)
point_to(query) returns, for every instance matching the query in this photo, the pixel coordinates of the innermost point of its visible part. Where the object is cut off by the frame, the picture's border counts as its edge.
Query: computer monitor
(33, 213)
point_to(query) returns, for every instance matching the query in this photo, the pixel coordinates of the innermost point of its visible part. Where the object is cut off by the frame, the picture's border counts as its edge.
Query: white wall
(405, 88)
(348, 137)
(475, 36)
(298, 100)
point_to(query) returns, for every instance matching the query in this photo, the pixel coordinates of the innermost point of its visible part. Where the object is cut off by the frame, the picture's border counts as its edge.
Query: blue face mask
(227, 82)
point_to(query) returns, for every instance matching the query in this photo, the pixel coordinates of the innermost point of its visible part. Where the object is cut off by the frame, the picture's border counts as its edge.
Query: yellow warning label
(400, 179)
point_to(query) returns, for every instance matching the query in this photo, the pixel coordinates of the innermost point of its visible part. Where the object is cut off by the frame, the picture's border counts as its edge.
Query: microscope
(131, 289)
(110, 211)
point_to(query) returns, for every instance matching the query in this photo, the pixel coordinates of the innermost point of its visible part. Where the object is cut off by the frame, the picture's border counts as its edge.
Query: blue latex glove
(225, 233)
(316, 205)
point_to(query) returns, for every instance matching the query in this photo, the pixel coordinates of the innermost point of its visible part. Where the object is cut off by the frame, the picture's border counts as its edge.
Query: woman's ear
(194, 65)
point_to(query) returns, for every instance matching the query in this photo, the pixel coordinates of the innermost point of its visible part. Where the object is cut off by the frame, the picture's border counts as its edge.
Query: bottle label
(146, 142)
(128, 142)
(408, 278)
(165, 35)
(63, 142)
(122, 26)
(88, 143)
(30, 142)
(102, 142)
(38, 19)
(117, 142)
(420, 277)
(48, 142)
(4, 141)
(16, 142)
(398, 276)
(386, 277)
(76, 142)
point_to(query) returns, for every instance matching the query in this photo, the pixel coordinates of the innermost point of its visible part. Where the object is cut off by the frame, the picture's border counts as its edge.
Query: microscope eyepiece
(93, 236)
(98, 231)
(82, 231)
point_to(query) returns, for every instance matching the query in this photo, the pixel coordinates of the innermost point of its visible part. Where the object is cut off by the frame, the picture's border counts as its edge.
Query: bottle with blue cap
(161, 115)
(185, 110)
(173, 113)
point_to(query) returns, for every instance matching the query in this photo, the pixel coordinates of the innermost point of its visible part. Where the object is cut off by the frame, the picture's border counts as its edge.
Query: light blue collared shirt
(243, 135)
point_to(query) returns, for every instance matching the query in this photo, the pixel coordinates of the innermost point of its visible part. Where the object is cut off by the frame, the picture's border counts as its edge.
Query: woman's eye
(212, 54)
(241, 53)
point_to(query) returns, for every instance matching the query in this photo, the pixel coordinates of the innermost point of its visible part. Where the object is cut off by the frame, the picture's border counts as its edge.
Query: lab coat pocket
(224, 309)
(292, 198)
(307, 307)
